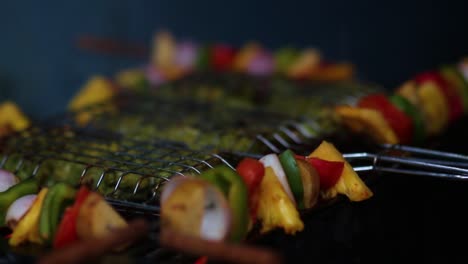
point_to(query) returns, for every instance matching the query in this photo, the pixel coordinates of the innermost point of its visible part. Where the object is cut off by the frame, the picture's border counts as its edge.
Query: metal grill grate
(120, 168)
(201, 125)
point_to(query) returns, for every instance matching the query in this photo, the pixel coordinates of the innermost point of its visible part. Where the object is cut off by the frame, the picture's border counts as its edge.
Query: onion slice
(18, 209)
(7, 179)
(272, 160)
(195, 207)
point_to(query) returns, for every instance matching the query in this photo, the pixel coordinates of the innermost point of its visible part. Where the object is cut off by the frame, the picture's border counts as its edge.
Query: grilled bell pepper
(7, 197)
(66, 231)
(328, 171)
(28, 227)
(349, 182)
(293, 174)
(244, 56)
(398, 120)
(275, 208)
(57, 197)
(419, 130)
(235, 190)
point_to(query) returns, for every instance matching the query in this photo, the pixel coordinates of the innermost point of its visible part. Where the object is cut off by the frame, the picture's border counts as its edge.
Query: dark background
(389, 41)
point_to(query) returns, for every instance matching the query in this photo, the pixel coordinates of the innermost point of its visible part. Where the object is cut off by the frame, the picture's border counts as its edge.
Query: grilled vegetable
(27, 229)
(329, 171)
(18, 209)
(272, 161)
(54, 204)
(66, 231)
(311, 183)
(289, 164)
(7, 179)
(399, 122)
(9, 196)
(349, 182)
(275, 208)
(195, 207)
(234, 188)
(252, 171)
(419, 130)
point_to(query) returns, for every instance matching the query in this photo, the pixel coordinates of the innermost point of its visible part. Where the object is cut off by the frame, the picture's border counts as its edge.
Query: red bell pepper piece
(66, 232)
(252, 172)
(328, 171)
(222, 57)
(454, 100)
(401, 124)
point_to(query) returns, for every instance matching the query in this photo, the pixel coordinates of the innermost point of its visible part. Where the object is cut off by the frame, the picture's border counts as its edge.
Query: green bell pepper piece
(289, 164)
(419, 129)
(53, 205)
(234, 188)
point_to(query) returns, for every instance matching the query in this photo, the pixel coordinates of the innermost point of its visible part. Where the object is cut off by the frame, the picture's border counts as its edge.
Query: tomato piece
(252, 172)
(401, 124)
(222, 57)
(328, 171)
(66, 232)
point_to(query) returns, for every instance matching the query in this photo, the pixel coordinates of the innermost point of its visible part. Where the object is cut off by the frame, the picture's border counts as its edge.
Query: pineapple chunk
(11, 115)
(349, 183)
(369, 121)
(434, 107)
(275, 208)
(96, 90)
(97, 218)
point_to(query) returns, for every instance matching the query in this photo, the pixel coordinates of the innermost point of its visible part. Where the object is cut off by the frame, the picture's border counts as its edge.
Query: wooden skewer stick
(218, 251)
(88, 250)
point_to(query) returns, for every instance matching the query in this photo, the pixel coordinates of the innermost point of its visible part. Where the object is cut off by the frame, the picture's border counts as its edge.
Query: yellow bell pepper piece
(275, 209)
(11, 115)
(27, 229)
(349, 184)
(369, 121)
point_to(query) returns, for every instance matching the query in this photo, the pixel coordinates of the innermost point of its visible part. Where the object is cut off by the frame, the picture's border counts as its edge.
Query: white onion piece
(7, 179)
(216, 221)
(18, 209)
(186, 55)
(262, 64)
(177, 208)
(272, 161)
